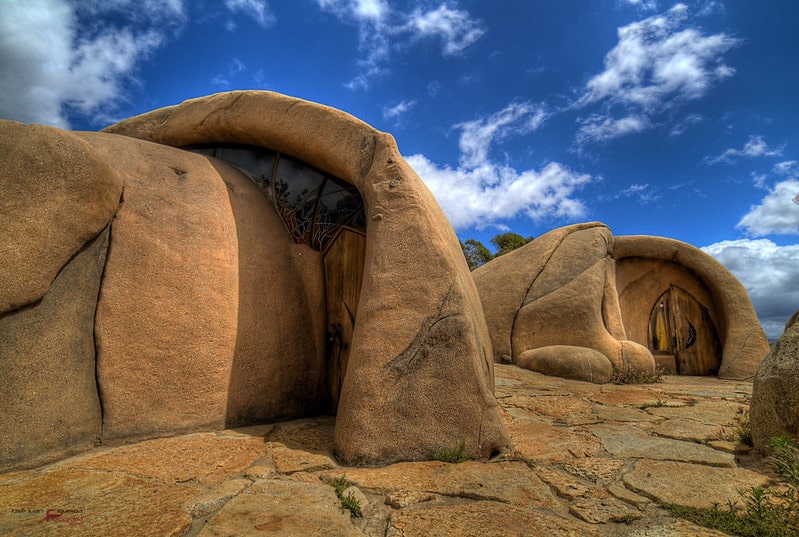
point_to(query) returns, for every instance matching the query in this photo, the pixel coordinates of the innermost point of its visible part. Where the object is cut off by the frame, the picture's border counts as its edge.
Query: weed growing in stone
(632, 376)
(454, 454)
(743, 429)
(655, 404)
(767, 512)
(348, 502)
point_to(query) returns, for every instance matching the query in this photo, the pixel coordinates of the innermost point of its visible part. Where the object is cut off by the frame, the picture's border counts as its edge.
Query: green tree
(507, 242)
(476, 253)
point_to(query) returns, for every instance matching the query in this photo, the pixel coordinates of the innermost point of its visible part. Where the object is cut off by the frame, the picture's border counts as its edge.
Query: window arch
(312, 204)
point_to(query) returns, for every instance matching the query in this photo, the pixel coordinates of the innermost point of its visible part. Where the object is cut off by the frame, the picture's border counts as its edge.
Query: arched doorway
(682, 336)
(326, 214)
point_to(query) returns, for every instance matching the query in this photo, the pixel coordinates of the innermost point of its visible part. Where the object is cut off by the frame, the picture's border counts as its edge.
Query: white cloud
(602, 128)
(258, 10)
(789, 168)
(689, 121)
(481, 192)
(399, 109)
(478, 135)
(380, 26)
(756, 146)
(777, 213)
(234, 68)
(485, 195)
(770, 274)
(646, 5)
(50, 66)
(655, 65)
(455, 28)
(643, 193)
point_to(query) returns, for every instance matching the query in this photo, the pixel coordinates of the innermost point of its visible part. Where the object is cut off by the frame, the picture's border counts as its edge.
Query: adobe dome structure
(240, 258)
(580, 303)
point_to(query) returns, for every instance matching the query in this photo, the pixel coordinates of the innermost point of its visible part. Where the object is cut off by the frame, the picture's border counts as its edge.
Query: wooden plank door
(344, 262)
(681, 326)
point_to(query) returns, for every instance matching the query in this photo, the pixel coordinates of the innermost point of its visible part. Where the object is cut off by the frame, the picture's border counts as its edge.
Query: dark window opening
(312, 204)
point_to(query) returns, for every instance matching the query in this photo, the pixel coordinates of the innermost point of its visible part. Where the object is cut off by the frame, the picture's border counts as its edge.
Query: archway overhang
(744, 342)
(416, 283)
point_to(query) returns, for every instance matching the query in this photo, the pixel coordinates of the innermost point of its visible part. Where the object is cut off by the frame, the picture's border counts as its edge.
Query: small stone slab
(594, 468)
(507, 482)
(203, 457)
(710, 412)
(288, 461)
(543, 441)
(282, 507)
(400, 499)
(208, 502)
(483, 519)
(625, 414)
(624, 443)
(688, 430)
(691, 485)
(602, 509)
(556, 406)
(89, 503)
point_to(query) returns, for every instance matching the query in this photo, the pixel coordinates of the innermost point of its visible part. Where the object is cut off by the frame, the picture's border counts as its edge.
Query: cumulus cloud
(656, 64)
(379, 26)
(777, 213)
(756, 146)
(770, 275)
(50, 66)
(257, 10)
(480, 192)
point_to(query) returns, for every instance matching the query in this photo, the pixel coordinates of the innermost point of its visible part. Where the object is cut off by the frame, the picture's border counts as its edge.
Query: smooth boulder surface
(57, 195)
(398, 399)
(49, 404)
(210, 313)
(556, 294)
(57, 198)
(774, 411)
(581, 287)
(202, 320)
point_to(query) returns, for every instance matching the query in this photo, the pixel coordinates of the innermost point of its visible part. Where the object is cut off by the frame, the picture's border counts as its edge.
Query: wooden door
(680, 326)
(344, 261)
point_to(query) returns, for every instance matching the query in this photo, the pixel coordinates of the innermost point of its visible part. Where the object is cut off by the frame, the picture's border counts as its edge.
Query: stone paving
(589, 460)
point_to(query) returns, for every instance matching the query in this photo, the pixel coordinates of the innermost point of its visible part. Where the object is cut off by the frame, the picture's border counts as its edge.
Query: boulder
(581, 287)
(49, 405)
(203, 320)
(57, 195)
(220, 304)
(774, 410)
(557, 294)
(398, 400)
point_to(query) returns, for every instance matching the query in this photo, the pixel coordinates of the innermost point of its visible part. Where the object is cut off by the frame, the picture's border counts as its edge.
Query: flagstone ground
(589, 460)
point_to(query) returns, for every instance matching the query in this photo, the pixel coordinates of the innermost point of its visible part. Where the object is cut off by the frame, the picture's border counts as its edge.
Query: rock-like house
(239, 258)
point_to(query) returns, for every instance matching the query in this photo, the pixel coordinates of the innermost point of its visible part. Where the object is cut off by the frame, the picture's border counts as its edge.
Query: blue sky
(663, 118)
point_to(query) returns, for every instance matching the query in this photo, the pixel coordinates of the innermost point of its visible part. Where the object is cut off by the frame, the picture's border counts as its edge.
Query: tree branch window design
(312, 204)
